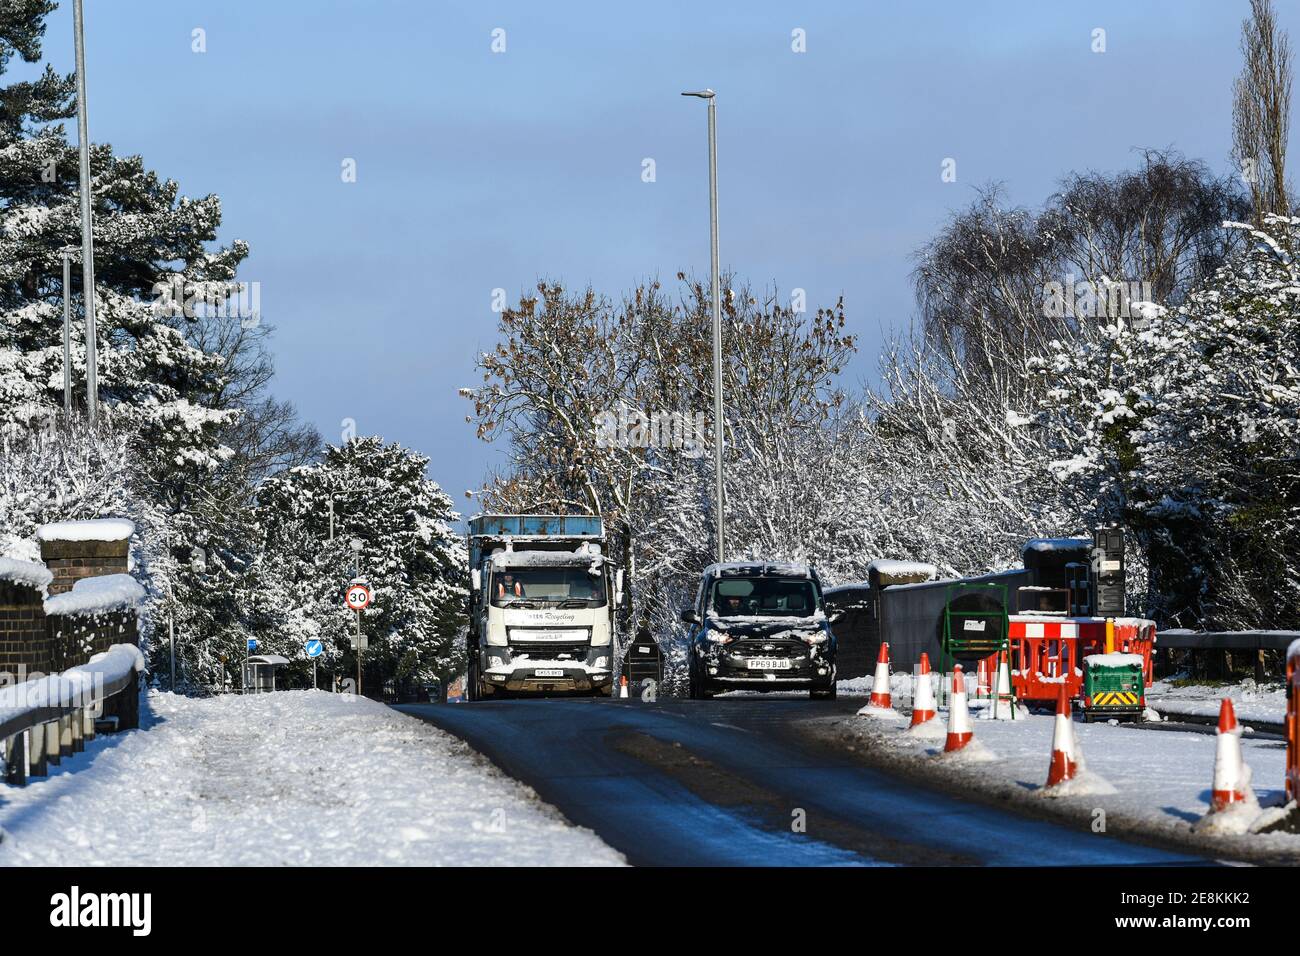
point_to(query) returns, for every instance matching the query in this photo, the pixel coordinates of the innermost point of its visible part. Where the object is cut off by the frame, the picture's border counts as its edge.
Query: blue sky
(478, 170)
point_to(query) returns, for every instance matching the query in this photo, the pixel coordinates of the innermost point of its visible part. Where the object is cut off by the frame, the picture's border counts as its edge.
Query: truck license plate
(548, 672)
(768, 664)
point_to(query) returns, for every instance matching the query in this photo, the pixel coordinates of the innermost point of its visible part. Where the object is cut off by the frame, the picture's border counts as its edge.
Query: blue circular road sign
(314, 648)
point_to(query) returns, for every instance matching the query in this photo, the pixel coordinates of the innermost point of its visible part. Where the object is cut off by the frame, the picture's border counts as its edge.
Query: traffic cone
(982, 679)
(1064, 755)
(1230, 775)
(622, 686)
(923, 706)
(880, 686)
(959, 730)
(1003, 697)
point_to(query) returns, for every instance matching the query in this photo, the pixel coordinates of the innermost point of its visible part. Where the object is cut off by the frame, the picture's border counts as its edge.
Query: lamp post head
(702, 94)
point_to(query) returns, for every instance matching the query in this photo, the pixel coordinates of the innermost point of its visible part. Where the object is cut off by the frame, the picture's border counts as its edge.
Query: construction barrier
(1293, 722)
(1047, 652)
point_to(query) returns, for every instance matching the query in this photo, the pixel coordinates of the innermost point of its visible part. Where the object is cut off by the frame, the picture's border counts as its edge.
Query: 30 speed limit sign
(358, 597)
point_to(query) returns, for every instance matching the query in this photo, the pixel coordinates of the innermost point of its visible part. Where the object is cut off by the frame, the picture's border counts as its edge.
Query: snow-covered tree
(414, 562)
(1187, 429)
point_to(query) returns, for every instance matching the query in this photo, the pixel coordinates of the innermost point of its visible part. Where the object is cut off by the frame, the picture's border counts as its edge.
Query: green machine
(1113, 687)
(974, 628)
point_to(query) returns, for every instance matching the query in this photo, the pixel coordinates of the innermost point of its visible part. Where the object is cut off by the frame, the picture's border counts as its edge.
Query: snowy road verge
(290, 778)
(1147, 785)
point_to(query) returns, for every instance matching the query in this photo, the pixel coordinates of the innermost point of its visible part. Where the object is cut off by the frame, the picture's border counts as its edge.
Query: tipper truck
(543, 601)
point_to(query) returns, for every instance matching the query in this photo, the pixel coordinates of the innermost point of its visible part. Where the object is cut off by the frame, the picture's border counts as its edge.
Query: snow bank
(99, 529)
(108, 592)
(1148, 781)
(26, 572)
(282, 779)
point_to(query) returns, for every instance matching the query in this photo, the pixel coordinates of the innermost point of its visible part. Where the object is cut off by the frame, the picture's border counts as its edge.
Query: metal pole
(331, 520)
(171, 643)
(719, 428)
(358, 653)
(87, 236)
(67, 333)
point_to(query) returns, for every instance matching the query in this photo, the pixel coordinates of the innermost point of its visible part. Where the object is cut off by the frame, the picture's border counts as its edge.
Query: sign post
(358, 599)
(314, 649)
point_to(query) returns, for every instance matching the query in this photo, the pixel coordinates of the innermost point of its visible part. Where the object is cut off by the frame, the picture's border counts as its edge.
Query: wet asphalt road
(730, 782)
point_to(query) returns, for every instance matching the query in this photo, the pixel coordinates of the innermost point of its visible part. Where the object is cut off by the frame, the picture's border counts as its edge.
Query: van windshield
(756, 597)
(548, 587)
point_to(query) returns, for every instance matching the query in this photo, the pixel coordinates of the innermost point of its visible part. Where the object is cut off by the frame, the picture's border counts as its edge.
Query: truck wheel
(473, 690)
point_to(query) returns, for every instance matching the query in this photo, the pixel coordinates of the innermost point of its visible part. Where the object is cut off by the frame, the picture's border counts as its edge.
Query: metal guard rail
(46, 719)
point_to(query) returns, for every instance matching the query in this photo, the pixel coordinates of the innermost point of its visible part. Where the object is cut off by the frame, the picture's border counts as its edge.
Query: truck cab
(542, 606)
(760, 626)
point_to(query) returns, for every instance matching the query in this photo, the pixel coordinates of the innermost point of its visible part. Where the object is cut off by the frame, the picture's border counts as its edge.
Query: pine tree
(185, 385)
(414, 562)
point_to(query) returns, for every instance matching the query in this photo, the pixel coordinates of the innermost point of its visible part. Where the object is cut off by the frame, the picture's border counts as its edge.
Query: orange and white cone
(1002, 693)
(982, 679)
(622, 686)
(959, 729)
(880, 686)
(923, 705)
(1230, 773)
(1065, 760)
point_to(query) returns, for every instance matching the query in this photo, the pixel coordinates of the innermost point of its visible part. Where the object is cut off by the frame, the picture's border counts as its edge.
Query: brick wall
(32, 642)
(70, 560)
(74, 638)
(24, 632)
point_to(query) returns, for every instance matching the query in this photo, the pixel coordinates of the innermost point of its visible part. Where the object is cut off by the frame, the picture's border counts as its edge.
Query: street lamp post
(87, 236)
(719, 430)
(67, 252)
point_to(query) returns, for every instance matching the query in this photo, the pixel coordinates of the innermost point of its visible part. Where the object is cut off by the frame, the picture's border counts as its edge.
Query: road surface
(730, 782)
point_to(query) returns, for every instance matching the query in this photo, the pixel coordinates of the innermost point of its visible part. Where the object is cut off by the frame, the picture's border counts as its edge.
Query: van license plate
(768, 664)
(548, 672)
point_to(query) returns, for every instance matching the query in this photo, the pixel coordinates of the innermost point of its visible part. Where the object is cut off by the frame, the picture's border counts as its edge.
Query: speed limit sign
(358, 597)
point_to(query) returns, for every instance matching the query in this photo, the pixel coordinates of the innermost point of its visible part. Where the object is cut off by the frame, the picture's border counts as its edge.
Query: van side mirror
(689, 616)
(618, 588)
(476, 578)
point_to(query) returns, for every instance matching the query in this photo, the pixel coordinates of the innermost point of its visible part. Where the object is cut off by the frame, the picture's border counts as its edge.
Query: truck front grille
(550, 651)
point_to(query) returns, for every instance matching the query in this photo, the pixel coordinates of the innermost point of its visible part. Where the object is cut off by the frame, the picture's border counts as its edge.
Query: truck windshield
(756, 597)
(551, 587)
